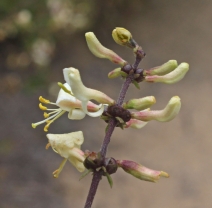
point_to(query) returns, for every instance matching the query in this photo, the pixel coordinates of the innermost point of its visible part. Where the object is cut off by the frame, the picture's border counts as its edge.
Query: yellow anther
(46, 115)
(34, 125)
(47, 146)
(43, 100)
(42, 107)
(46, 127)
(55, 173)
(64, 88)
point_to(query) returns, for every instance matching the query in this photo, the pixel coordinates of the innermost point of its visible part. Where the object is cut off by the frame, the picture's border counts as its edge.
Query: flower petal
(76, 114)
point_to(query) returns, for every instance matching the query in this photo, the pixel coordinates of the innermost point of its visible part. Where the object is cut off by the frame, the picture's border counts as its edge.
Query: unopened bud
(123, 37)
(136, 124)
(93, 160)
(141, 172)
(140, 104)
(115, 73)
(110, 165)
(100, 51)
(172, 77)
(167, 114)
(163, 69)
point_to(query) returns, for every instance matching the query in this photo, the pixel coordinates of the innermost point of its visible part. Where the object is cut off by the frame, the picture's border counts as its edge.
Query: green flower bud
(140, 104)
(167, 114)
(163, 69)
(100, 51)
(115, 73)
(171, 77)
(123, 37)
(141, 172)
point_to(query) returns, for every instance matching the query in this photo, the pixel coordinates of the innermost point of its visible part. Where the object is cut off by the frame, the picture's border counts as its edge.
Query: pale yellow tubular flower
(172, 77)
(163, 69)
(68, 146)
(84, 94)
(141, 172)
(100, 51)
(167, 114)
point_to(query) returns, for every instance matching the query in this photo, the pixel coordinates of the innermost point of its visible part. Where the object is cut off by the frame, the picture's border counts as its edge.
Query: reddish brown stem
(111, 126)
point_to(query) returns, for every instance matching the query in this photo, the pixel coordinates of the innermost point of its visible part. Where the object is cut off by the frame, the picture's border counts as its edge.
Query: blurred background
(40, 38)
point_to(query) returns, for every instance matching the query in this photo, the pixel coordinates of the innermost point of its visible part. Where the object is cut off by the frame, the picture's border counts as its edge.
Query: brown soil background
(166, 30)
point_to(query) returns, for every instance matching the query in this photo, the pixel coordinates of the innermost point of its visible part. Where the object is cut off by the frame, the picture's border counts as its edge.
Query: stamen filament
(40, 122)
(58, 171)
(57, 115)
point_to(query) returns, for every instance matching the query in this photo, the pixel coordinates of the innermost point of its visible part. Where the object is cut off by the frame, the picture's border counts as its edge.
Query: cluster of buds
(75, 98)
(140, 118)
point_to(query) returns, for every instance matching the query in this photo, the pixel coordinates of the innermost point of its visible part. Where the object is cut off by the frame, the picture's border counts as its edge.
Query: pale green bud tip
(140, 104)
(172, 77)
(123, 37)
(163, 69)
(100, 51)
(115, 73)
(141, 172)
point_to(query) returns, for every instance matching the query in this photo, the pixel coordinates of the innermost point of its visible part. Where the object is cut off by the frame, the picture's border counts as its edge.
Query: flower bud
(140, 104)
(171, 77)
(100, 51)
(167, 114)
(115, 73)
(163, 69)
(110, 165)
(141, 172)
(123, 37)
(136, 124)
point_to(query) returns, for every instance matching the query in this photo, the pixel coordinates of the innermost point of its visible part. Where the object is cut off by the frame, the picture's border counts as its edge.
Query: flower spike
(84, 94)
(172, 77)
(100, 51)
(167, 114)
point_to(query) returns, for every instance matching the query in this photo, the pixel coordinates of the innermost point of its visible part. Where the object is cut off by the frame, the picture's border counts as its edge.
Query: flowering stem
(97, 175)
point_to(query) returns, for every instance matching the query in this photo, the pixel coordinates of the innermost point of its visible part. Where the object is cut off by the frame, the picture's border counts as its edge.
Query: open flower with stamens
(84, 94)
(66, 102)
(100, 51)
(68, 146)
(167, 114)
